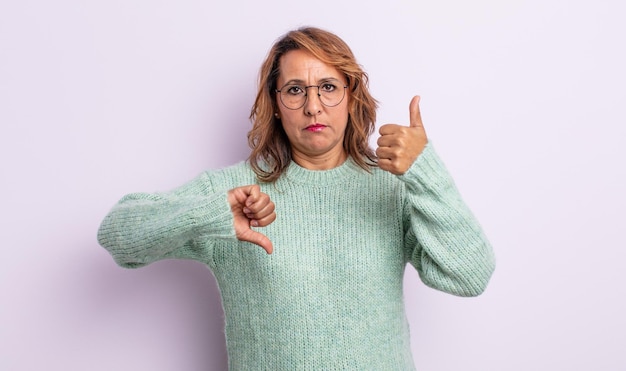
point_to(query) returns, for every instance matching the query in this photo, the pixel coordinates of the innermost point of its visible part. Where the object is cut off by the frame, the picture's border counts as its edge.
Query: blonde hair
(271, 150)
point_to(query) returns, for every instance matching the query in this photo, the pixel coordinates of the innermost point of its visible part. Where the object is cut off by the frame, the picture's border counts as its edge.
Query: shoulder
(235, 175)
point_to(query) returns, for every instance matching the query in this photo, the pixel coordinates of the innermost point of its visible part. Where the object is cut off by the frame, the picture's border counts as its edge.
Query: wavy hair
(271, 150)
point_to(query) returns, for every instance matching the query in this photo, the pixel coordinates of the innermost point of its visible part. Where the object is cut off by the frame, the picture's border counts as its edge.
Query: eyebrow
(301, 82)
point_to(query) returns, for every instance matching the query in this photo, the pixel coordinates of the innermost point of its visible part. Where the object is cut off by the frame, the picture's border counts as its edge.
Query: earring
(276, 115)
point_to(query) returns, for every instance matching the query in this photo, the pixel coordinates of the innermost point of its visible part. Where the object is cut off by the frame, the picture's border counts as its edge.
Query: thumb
(259, 239)
(415, 113)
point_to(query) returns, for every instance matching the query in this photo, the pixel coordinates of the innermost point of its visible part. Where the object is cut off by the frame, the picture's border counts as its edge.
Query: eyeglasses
(294, 96)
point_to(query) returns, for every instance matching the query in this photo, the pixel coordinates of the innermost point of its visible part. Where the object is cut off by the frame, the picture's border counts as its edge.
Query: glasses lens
(331, 94)
(295, 96)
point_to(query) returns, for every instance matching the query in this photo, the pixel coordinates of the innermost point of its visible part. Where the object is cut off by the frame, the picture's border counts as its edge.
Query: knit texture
(330, 297)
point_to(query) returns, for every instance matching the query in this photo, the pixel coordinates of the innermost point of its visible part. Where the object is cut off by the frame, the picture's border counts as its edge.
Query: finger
(261, 203)
(415, 113)
(266, 220)
(384, 163)
(254, 191)
(388, 165)
(236, 197)
(383, 141)
(391, 140)
(393, 166)
(387, 153)
(389, 129)
(265, 210)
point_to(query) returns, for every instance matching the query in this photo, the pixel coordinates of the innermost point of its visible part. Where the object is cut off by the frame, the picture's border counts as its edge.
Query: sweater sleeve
(182, 224)
(443, 240)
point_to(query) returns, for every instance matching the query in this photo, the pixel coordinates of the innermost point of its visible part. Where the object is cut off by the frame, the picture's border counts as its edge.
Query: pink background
(524, 101)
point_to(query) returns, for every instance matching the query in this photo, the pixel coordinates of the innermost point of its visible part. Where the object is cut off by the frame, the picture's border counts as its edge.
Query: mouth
(315, 127)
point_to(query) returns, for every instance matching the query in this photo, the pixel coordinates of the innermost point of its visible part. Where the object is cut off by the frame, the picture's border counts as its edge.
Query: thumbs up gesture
(399, 145)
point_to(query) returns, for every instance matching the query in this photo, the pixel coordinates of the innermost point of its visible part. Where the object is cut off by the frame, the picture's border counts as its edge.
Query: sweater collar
(321, 178)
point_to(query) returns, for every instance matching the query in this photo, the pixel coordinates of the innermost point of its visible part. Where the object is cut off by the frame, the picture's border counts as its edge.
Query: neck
(323, 161)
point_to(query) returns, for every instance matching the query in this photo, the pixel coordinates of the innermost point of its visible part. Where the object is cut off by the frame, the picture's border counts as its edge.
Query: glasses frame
(306, 95)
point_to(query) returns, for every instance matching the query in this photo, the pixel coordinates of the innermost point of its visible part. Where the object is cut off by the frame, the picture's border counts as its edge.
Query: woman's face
(315, 131)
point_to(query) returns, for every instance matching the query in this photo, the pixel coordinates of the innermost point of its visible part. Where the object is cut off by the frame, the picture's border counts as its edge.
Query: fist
(252, 208)
(400, 145)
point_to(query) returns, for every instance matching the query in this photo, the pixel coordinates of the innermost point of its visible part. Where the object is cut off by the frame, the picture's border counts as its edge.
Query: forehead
(300, 65)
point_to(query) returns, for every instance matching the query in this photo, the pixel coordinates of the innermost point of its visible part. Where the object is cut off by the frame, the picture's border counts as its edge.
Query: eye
(328, 87)
(295, 90)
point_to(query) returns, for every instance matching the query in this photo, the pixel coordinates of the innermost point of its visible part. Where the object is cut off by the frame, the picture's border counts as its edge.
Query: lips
(315, 127)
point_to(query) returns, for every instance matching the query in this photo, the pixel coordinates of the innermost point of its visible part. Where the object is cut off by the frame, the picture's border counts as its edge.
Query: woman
(326, 292)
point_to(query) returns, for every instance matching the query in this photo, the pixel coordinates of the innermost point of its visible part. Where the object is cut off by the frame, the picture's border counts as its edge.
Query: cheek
(346, 110)
(287, 119)
(288, 124)
(345, 117)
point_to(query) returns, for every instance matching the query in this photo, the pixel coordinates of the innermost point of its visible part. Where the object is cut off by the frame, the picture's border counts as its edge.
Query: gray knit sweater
(330, 296)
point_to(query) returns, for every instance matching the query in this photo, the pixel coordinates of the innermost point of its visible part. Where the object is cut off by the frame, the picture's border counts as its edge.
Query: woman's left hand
(399, 145)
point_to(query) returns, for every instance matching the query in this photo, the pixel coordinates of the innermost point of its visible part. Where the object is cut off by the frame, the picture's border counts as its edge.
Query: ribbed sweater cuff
(214, 218)
(427, 172)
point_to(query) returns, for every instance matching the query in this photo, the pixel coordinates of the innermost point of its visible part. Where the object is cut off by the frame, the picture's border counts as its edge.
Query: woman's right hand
(252, 208)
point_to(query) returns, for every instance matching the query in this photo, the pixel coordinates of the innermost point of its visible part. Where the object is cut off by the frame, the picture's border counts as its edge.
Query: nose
(313, 104)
